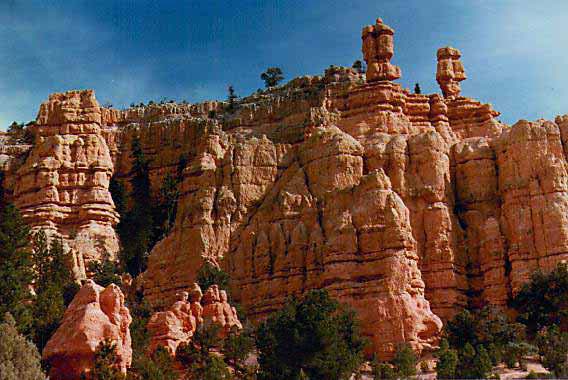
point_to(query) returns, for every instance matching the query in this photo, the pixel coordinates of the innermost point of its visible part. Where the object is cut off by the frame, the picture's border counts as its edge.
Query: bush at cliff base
(316, 336)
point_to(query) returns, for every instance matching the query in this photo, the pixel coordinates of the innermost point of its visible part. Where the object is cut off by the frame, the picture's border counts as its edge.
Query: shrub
(405, 361)
(19, 358)
(210, 274)
(382, 371)
(553, 348)
(542, 301)
(315, 335)
(447, 361)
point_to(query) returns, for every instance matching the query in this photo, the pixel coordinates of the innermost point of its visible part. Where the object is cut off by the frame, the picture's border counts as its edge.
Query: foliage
(119, 195)
(20, 134)
(543, 301)
(447, 361)
(358, 66)
(105, 367)
(16, 272)
(315, 335)
(553, 347)
(237, 347)
(197, 355)
(514, 352)
(136, 225)
(141, 311)
(272, 76)
(405, 361)
(105, 272)
(55, 287)
(231, 98)
(417, 89)
(381, 370)
(19, 358)
(472, 363)
(484, 327)
(160, 366)
(209, 274)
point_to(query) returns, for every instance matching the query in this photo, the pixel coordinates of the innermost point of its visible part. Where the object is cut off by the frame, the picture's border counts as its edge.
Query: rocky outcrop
(405, 206)
(450, 71)
(62, 187)
(177, 325)
(95, 315)
(378, 49)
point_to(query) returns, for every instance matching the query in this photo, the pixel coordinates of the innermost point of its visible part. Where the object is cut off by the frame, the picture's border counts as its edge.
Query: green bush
(405, 362)
(447, 361)
(272, 76)
(19, 358)
(542, 302)
(315, 335)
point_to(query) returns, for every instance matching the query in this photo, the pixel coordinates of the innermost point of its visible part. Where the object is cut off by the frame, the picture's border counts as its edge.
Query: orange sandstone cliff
(404, 206)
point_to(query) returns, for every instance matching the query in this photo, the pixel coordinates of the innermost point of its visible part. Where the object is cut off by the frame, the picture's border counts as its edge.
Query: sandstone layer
(404, 206)
(95, 315)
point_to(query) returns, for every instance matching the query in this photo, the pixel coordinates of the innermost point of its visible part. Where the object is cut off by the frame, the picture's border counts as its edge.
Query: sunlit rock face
(62, 187)
(95, 315)
(404, 206)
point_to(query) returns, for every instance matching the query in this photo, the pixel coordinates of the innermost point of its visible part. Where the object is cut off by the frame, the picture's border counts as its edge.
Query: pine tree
(105, 367)
(358, 66)
(481, 363)
(19, 358)
(447, 361)
(209, 274)
(55, 287)
(382, 371)
(417, 89)
(16, 272)
(136, 227)
(231, 97)
(236, 349)
(405, 361)
(272, 76)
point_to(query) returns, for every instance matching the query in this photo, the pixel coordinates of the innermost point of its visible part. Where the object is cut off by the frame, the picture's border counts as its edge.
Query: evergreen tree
(543, 301)
(105, 367)
(417, 89)
(160, 366)
(55, 287)
(465, 368)
(315, 335)
(236, 349)
(197, 355)
(405, 361)
(272, 76)
(119, 195)
(358, 66)
(16, 272)
(482, 363)
(382, 371)
(137, 225)
(447, 361)
(19, 358)
(553, 348)
(231, 98)
(209, 274)
(105, 272)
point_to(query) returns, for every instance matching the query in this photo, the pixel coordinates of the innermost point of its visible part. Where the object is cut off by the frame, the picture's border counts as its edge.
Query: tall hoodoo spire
(378, 49)
(450, 71)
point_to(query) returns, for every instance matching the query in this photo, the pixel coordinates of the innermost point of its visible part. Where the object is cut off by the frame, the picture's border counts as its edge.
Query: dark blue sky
(515, 52)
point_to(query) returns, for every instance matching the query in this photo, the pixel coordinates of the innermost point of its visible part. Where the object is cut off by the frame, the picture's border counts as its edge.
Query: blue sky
(515, 52)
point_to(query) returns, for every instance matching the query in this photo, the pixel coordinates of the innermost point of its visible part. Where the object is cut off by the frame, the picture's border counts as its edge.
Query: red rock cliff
(404, 206)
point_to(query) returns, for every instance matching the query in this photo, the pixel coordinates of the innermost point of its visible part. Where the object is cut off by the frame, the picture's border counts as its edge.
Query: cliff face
(405, 206)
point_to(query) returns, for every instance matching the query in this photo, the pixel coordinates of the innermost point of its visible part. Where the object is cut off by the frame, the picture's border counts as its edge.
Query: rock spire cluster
(404, 206)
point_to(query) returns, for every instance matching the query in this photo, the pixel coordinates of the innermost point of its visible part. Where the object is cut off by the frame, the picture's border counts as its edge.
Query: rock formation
(404, 206)
(95, 315)
(177, 325)
(378, 49)
(450, 71)
(62, 187)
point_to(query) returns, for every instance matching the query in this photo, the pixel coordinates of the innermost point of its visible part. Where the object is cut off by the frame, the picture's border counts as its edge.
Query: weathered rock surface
(62, 187)
(177, 325)
(96, 314)
(405, 206)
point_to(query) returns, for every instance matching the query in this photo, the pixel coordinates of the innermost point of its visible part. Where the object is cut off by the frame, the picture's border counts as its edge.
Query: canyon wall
(405, 206)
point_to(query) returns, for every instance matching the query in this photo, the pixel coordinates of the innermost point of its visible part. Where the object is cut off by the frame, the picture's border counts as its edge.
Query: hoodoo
(404, 206)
